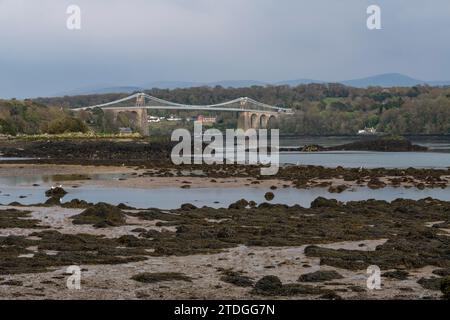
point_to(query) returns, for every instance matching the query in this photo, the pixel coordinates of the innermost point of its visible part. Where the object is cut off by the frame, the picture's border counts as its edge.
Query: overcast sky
(136, 42)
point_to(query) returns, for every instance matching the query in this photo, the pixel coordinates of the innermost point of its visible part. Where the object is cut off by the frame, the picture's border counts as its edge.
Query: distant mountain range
(383, 80)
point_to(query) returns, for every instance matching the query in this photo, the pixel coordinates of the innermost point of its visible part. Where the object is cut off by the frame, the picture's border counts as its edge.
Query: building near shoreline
(206, 120)
(367, 131)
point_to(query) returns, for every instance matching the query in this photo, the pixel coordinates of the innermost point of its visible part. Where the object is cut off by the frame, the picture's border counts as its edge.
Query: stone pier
(141, 118)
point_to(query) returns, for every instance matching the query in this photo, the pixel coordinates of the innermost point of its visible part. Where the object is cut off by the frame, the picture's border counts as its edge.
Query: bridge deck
(185, 108)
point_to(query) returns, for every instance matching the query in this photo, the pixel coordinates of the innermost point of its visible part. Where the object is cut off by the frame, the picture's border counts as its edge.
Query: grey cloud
(136, 42)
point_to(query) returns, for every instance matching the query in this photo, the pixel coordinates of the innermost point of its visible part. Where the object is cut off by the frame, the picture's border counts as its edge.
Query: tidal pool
(172, 198)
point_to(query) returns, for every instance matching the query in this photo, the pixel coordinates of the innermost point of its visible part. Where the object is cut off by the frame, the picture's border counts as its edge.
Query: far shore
(136, 177)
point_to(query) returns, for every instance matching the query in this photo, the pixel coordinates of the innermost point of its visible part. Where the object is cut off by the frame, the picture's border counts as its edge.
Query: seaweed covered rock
(396, 274)
(225, 233)
(269, 285)
(148, 277)
(236, 278)
(55, 192)
(240, 204)
(188, 207)
(272, 286)
(131, 241)
(53, 201)
(386, 144)
(319, 276)
(442, 272)
(76, 203)
(101, 215)
(337, 189)
(330, 296)
(312, 148)
(321, 202)
(376, 183)
(123, 206)
(430, 283)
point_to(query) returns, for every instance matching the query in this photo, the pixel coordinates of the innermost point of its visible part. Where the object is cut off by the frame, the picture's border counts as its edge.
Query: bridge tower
(140, 100)
(142, 114)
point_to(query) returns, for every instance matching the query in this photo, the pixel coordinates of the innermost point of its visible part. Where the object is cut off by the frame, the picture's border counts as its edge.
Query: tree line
(320, 109)
(30, 117)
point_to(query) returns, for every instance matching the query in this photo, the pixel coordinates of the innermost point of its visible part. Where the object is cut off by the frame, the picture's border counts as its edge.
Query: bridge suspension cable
(173, 105)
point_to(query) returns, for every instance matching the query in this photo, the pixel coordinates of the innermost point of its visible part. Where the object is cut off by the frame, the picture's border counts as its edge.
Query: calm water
(368, 159)
(171, 198)
(357, 159)
(438, 157)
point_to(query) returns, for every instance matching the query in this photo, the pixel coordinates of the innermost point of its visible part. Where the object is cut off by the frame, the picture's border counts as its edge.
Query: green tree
(67, 124)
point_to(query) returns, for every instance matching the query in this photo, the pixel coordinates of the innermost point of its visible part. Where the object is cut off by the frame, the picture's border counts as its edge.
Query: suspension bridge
(252, 114)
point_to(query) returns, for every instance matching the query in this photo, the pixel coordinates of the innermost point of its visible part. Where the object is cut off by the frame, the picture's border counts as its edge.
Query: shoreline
(302, 177)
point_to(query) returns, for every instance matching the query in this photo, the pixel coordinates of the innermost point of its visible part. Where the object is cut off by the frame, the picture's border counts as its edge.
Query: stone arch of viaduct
(257, 120)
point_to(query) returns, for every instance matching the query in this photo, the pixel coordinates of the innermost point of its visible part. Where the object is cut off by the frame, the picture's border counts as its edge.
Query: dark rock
(321, 202)
(147, 277)
(101, 215)
(76, 203)
(358, 289)
(12, 283)
(53, 201)
(237, 279)
(312, 148)
(269, 285)
(330, 296)
(337, 189)
(319, 276)
(397, 274)
(390, 143)
(430, 284)
(376, 183)
(123, 206)
(269, 196)
(57, 192)
(240, 204)
(188, 207)
(225, 233)
(442, 272)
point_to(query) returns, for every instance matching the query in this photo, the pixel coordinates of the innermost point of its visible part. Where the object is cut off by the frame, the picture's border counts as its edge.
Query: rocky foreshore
(133, 151)
(248, 251)
(245, 251)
